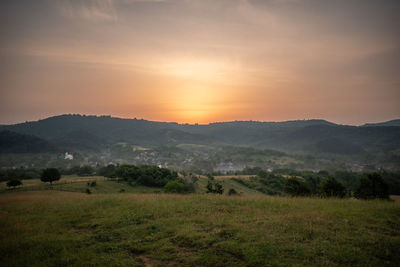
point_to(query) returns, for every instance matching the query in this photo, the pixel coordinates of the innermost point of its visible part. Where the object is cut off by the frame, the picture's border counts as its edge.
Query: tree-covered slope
(11, 142)
(89, 132)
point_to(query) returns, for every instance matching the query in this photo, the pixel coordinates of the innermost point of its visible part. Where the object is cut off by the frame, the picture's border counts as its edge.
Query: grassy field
(58, 228)
(79, 184)
(105, 185)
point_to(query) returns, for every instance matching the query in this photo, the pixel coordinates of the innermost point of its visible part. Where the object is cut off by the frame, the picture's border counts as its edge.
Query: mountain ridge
(93, 132)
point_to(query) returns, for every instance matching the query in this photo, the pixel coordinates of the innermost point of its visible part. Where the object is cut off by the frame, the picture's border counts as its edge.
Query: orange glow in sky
(201, 61)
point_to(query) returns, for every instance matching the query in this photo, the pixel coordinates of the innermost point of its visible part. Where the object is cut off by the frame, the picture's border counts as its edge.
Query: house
(68, 156)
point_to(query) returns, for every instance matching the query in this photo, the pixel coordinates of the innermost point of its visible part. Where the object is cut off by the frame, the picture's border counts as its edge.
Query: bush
(332, 188)
(214, 188)
(295, 187)
(50, 175)
(175, 187)
(19, 174)
(85, 171)
(88, 191)
(107, 171)
(218, 188)
(372, 186)
(13, 183)
(232, 192)
(145, 175)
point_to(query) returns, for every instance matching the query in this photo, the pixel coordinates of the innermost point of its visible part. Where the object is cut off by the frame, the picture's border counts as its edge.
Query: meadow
(63, 226)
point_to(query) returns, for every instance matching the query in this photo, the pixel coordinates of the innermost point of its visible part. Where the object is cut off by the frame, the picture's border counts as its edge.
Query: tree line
(280, 182)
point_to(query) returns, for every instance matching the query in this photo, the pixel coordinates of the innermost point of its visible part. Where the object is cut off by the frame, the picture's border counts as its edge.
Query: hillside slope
(12, 142)
(93, 132)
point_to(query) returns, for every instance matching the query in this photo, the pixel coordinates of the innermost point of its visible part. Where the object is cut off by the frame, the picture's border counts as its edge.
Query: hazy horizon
(193, 123)
(201, 61)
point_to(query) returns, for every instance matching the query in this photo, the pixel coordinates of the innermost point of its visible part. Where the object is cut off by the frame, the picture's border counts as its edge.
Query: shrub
(232, 192)
(209, 187)
(175, 187)
(145, 175)
(218, 188)
(372, 186)
(106, 171)
(332, 188)
(88, 191)
(295, 187)
(214, 188)
(85, 171)
(14, 182)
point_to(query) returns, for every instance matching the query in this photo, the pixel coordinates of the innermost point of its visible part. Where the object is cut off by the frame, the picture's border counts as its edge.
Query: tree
(50, 175)
(295, 187)
(14, 182)
(107, 171)
(372, 186)
(85, 171)
(332, 188)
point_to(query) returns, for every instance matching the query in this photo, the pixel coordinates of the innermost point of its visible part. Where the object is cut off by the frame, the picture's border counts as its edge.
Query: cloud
(94, 10)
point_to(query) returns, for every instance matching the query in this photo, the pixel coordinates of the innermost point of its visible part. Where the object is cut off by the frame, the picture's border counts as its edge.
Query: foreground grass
(54, 228)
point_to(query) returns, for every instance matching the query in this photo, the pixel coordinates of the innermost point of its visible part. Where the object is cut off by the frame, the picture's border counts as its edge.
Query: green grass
(55, 228)
(79, 184)
(105, 185)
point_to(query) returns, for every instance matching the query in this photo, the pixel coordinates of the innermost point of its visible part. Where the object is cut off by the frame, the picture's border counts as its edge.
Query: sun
(198, 88)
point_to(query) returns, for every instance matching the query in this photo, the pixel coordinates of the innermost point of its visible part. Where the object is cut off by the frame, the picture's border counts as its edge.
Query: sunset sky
(201, 61)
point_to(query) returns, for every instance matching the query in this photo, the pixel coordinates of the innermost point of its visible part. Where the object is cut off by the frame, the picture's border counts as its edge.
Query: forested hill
(310, 135)
(12, 142)
(386, 123)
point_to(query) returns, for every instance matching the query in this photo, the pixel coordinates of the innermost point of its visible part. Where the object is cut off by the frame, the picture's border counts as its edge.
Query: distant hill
(80, 139)
(93, 133)
(12, 142)
(386, 123)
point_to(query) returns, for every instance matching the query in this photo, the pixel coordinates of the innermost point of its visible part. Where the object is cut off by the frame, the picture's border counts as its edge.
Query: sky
(201, 61)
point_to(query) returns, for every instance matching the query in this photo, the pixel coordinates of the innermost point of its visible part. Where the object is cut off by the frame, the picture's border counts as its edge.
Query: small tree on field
(13, 183)
(50, 175)
(332, 188)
